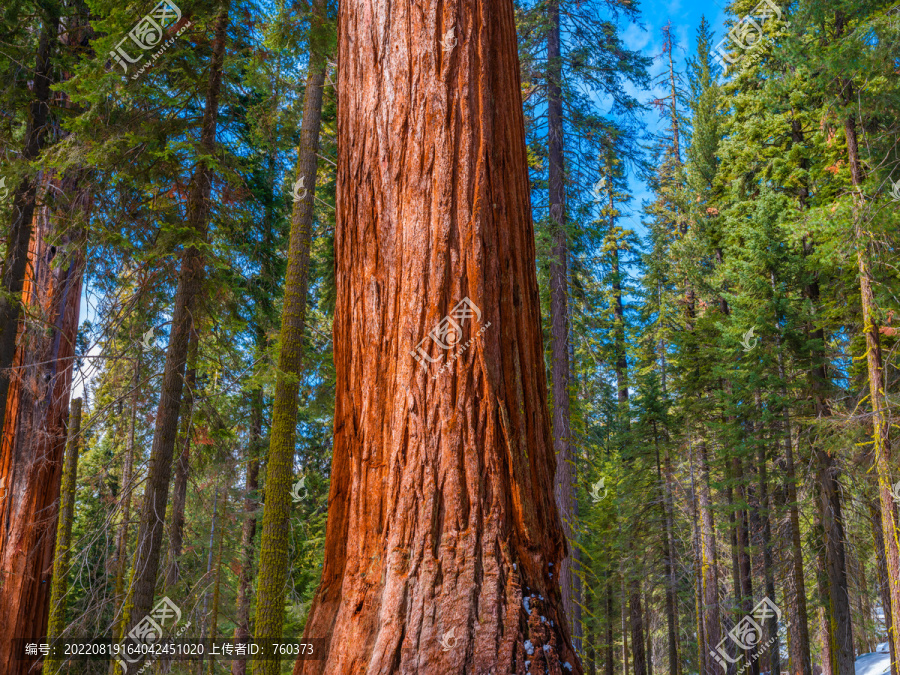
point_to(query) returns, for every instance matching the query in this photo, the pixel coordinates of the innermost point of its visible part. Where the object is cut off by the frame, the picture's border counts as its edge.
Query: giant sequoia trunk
(34, 432)
(12, 279)
(443, 537)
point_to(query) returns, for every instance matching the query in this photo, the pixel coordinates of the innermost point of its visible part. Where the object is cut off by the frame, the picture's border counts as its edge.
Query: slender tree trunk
(838, 621)
(624, 613)
(126, 495)
(273, 561)
(190, 277)
(59, 585)
(709, 568)
(248, 529)
(883, 586)
(826, 611)
(668, 568)
(183, 467)
(610, 645)
(797, 624)
(877, 393)
(442, 522)
(766, 535)
(637, 627)
(18, 240)
(702, 642)
(743, 553)
(214, 619)
(34, 434)
(559, 328)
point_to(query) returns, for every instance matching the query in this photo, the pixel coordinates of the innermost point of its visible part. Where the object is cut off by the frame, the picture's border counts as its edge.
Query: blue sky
(685, 16)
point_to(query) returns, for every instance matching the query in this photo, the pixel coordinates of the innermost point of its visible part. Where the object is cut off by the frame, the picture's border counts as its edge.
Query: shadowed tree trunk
(883, 588)
(34, 433)
(156, 493)
(564, 488)
(709, 580)
(442, 524)
(127, 488)
(183, 467)
(800, 662)
(248, 528)
(273, 554)
(59, 587)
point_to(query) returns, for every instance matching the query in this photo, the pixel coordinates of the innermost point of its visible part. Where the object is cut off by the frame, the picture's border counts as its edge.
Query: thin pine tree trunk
(183, 466)
(610, 658)
(127, 495)
(156, 492)
(559, 328)
(668, 567)
(797, 624)
(883, 589)
(702, 641)
(60, 581)
(637, 627)
(248, 529)
(827, 645)
(709, 568)
(273, 561)
(214, 618)
(881, 443)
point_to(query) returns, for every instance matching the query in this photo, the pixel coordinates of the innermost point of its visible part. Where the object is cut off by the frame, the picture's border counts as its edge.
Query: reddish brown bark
(441, 509)
(34, 438)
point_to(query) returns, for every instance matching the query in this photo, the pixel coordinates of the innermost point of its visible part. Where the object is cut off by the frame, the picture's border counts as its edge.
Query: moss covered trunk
(273, 557)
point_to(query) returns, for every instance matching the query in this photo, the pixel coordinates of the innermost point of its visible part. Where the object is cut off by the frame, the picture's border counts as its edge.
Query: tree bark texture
(564, 488)
(709, 577)
(126, 495)
(273, 555)
(59, 584)
(183, 467)
(34, 432)
(881, 443)
(24, 204)
(248, 529)
(190, 277)
(442, 525)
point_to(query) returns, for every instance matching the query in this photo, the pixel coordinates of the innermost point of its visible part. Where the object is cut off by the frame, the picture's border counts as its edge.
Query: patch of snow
(529, 648)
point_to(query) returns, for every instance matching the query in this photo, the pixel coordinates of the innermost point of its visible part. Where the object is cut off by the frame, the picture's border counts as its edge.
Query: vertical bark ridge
(442, 515)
